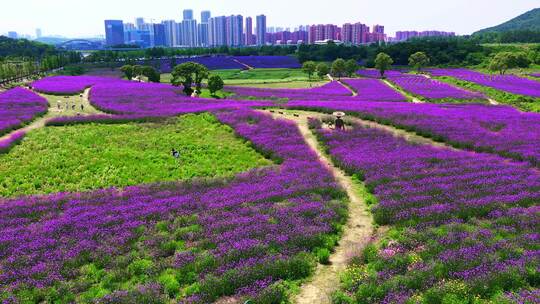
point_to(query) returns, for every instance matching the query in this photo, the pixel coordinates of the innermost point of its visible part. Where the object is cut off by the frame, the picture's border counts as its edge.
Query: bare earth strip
(357, 233)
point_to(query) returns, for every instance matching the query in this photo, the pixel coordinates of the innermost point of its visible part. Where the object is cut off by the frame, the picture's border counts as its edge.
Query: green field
(94, 156)
(269, 78)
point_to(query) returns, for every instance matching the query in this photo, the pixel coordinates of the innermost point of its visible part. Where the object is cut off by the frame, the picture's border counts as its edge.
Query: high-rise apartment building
(169, 28)
(346, 33)
(139, 23)
(205, 15)
(234, 30)
(216, 31)
(189, 33)
(38, 33)
(261, 30)
(188, 14)
(159, 34)
(249, 32)
(203, 28)
(114, 32)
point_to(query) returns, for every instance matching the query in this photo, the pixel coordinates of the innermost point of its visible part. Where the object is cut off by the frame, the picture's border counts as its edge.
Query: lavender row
(11, 140)
(493, 260)
(265, 62)
(465, 219)
(19, 106)
(432, 89)
(374, 90)
(421, 183)
(68, 85)
(494, 129)
(150, 99)
(256, 227)
(508, 83)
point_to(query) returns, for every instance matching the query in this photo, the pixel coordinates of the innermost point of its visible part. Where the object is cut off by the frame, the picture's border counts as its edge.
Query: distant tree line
(517, 36)
(21, 58)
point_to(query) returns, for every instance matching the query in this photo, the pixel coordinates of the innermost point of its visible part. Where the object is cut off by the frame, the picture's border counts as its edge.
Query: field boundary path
(414, 99)
(240, 62)
(53, 111)
(348, 87)
(357, 233)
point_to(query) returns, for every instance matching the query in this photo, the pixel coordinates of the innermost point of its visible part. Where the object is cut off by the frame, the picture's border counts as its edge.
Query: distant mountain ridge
(528, 21)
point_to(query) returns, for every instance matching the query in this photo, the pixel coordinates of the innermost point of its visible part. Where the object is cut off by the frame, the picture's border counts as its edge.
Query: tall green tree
(188, 73)
(215, 83)
(322, 70)
(419, 60)
(351, 66)
(338, 67)
(152, 74)
(309, 67)
(128, 71)
(383, 63)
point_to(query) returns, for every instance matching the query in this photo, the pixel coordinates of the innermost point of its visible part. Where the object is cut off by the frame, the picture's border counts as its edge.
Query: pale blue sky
(75, 18)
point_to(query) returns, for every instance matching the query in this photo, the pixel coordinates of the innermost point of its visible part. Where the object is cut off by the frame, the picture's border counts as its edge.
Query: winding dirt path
(65, 109)
(357, 233)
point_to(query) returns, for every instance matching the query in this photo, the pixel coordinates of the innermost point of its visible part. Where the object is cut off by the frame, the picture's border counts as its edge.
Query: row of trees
(339, 68)
(11, 70)
(185, 74)
(136, 71)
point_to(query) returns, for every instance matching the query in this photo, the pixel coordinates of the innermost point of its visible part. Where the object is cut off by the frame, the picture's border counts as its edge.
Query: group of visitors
(68, 106)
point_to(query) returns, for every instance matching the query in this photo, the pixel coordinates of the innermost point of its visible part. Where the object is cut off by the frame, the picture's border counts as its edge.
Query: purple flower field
(329, 91)
(508, 83)
(495, 129)
(457, 226)
(432, 89)
(463, 220)
(254, 227)
(424, 183)
(150, 99)
(19, 106)
(374, 90)
(266, 62)
(537, 75)
(423, 86)
(68, 85)
(228, 62)
(10, 141)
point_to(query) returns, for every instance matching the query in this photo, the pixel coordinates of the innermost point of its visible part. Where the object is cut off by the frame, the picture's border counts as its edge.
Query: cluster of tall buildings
(406, 35)
(236, 31)
(210, 31)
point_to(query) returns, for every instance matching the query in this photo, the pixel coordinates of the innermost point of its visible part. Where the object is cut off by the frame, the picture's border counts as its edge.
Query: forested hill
(17, 48)
(529, 21)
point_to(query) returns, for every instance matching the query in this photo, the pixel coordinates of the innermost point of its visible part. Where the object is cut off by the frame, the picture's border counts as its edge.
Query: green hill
(528, 21)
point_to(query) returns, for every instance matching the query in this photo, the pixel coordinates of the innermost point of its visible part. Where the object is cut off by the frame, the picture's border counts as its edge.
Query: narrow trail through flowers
(357, 233)
(348, 87)
(414, 99)
(53, 111)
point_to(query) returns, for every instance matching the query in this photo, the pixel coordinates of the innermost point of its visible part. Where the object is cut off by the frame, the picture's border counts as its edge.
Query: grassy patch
(93, 156)
(281, 78)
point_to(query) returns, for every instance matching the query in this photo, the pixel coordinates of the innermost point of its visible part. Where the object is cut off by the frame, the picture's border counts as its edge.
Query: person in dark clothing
(175, 153)
(339, 123)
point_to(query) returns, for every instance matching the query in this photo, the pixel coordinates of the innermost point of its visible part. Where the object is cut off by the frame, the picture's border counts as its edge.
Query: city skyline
(432, 16)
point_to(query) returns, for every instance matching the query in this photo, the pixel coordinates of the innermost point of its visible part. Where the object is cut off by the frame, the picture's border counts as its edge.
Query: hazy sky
(75, 18)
